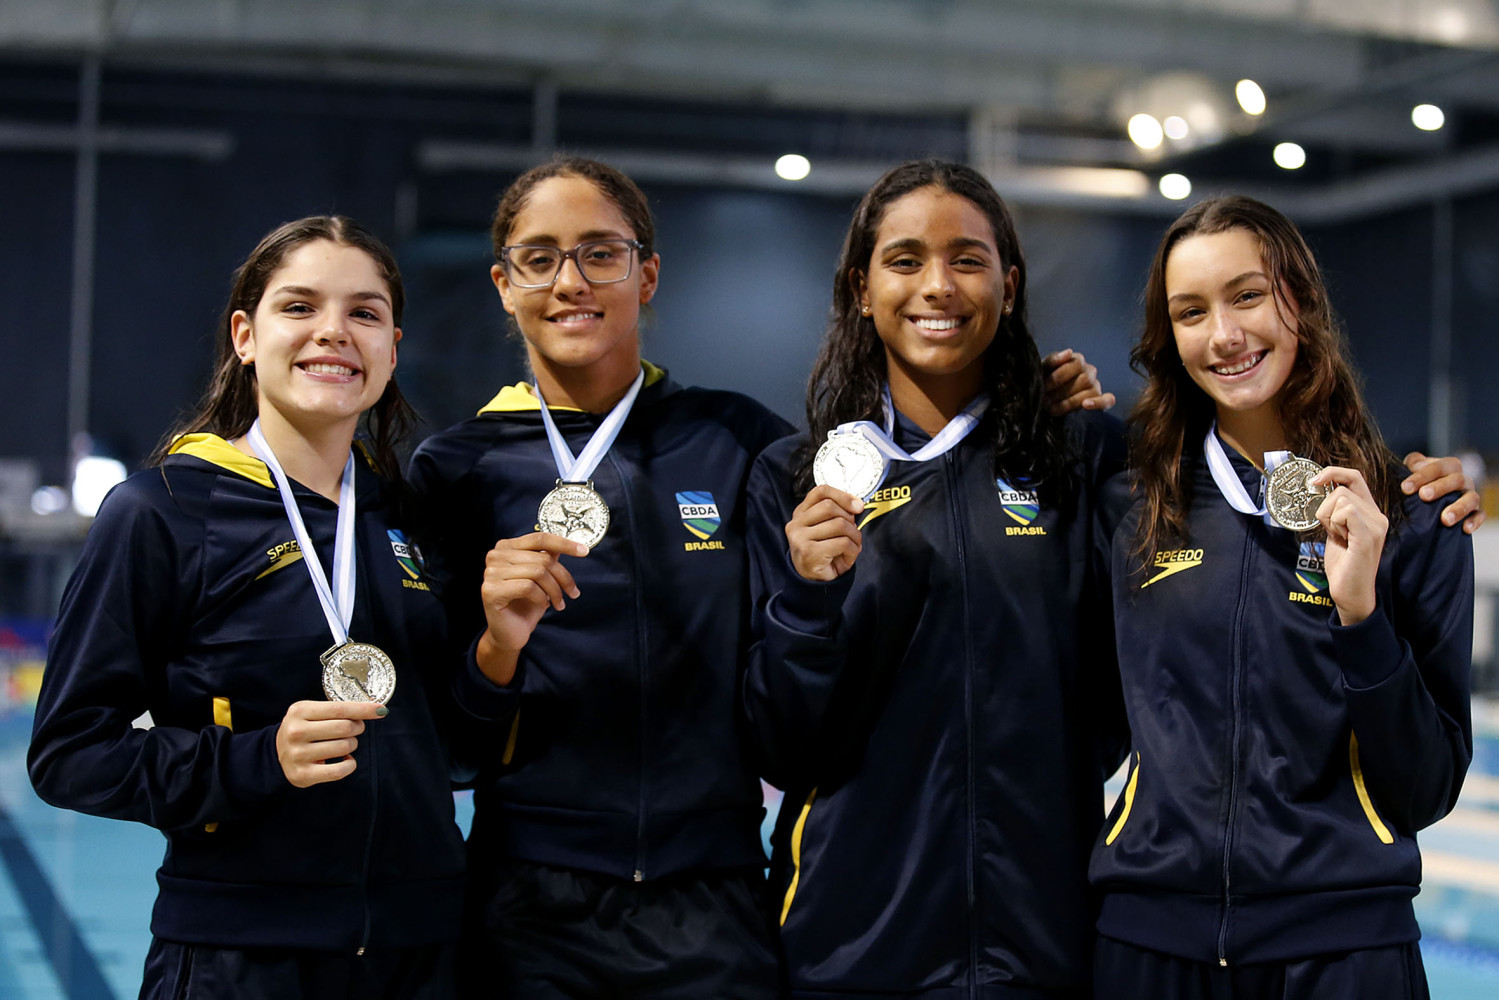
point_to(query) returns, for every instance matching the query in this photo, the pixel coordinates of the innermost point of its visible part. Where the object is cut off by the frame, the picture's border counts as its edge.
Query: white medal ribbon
(579, 469)
(338, 607)
(1228, 481)
(942, 442)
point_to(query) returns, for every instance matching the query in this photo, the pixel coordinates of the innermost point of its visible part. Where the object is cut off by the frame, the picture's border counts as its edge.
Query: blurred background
(146, 145)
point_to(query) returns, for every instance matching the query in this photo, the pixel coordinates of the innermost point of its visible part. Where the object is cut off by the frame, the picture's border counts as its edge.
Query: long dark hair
(230, 403)
(1322, 409)
(848, 379)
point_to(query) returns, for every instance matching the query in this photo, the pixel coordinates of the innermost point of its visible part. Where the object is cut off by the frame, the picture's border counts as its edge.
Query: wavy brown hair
(230, 404)
(1321, 408)
(849, 376)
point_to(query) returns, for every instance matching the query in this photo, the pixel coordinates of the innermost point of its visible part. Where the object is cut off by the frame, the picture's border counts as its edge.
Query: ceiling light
(1145, 131)
(1251, 97)
(793, 167)
(1428, 117)
(1175, 186)
(1289, 156)
(1175, 127)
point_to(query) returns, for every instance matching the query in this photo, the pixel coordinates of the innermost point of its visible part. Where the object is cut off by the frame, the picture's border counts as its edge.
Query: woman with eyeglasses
(589, 530)
(255, 591)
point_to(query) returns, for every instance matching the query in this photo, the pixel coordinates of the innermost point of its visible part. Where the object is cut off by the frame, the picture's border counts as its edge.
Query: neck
(315, 459)
(1252, 434)
(932, 400)
(594, 389)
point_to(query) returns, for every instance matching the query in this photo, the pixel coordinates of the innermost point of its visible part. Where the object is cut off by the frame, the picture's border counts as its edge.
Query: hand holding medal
(1290, 495)
(823, 533)
(1356, 530)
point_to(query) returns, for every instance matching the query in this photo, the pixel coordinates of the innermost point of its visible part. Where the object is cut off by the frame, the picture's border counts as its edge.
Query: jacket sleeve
(798, 651)
(449, 529)
(1109, 489)
(131, 593)
(1405, 671)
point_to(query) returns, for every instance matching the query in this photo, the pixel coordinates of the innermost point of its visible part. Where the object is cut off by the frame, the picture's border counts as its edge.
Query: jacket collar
(521, 396)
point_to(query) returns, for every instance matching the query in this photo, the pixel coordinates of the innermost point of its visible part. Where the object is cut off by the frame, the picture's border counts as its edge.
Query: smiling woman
(312, 850)
(1296, 686)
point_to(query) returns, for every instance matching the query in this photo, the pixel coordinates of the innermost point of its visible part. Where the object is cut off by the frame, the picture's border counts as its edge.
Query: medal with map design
(575, 511)
(358, 671)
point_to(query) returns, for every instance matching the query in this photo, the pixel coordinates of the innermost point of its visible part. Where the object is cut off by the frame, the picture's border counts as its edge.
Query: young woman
(1298, 699)
(926, 688)
(311, 848)
(615, 847)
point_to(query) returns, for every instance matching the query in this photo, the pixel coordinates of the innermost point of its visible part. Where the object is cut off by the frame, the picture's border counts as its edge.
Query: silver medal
(358, 671)
(849, 462)
(576, 512)
(1290, 499)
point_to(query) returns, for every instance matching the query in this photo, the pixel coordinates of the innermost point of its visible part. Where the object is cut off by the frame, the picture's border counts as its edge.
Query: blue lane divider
(76, 969)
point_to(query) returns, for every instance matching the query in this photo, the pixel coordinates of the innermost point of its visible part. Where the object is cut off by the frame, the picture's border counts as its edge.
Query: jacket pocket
(1380, 830)
(1129, 800)
(222, 716)
(796, 855)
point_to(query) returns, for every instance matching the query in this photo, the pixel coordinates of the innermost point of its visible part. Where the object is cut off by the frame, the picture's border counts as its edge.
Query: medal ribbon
(338, 607)
(578, 470)
(1228, 481)
(941, 443)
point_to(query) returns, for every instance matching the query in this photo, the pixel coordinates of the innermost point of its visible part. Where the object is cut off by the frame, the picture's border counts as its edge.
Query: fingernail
(1408, 487)
(1427, 492)
(382, 712)
(858, 506)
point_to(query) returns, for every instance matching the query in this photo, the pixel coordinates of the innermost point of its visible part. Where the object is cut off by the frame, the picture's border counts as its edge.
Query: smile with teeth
(574, 317)
(938, 324)
(323, 368)
(1238, 367)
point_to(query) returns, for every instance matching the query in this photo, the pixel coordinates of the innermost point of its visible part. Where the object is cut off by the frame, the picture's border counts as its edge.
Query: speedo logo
(883, 502)
(281, 556)
(1173, 562)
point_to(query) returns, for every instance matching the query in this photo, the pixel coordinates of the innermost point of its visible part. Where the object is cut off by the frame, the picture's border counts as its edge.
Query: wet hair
(613, 184)
(849, 376)
(230, 404)
(1322, 408)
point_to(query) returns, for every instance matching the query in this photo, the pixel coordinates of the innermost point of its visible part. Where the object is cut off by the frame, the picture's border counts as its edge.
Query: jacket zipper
(642, 669)
(1233, 775)
(971, 831)
(369, 841)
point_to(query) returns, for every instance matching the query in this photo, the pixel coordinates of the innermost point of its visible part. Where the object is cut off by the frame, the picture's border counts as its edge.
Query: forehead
(1209, 259)
(567, 209)
(325, 263)
(934, 216)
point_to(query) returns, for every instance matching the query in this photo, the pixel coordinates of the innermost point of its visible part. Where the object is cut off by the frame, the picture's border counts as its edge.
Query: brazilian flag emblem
(406, 554)
(1311, 571)
(699, 512)
(1022, 505)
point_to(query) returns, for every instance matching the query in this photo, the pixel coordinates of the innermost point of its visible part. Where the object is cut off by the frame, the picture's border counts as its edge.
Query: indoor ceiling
(1038, 92)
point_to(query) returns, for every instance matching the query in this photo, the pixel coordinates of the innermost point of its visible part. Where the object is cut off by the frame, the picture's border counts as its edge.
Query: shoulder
(1095, 432)
(448, 454)
(749, 421)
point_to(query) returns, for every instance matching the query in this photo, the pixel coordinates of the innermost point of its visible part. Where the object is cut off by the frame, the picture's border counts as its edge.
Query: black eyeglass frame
(563, 256)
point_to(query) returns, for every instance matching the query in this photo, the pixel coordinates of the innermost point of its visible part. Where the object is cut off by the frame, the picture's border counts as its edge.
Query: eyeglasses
(601, 262)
